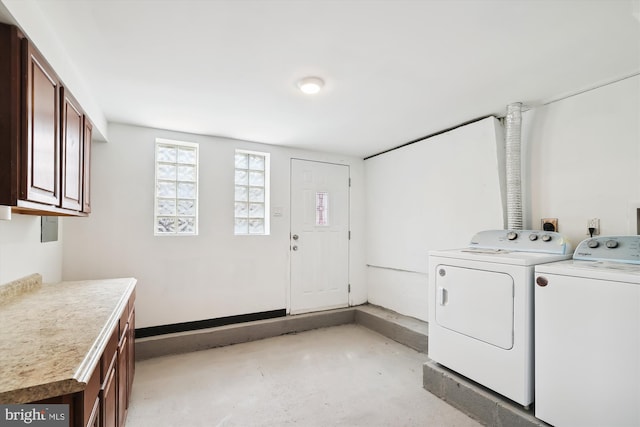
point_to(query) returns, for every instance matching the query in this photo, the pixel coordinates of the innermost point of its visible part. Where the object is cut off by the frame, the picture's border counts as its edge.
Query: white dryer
(481, 307)
(587, 332)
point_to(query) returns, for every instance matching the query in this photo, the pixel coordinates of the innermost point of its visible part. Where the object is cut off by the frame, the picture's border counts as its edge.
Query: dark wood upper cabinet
(72, 153)
(86, 175)
(10, 113)
(42, 158)
(44, 133)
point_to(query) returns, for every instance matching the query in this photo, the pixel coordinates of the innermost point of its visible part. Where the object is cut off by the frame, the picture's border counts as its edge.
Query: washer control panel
(610, 248)
(522, 240)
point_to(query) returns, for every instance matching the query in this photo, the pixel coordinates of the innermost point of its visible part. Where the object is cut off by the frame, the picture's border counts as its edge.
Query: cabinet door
(86, 188)
(131, 362)
(109, 399)
(66, 399)
(94, 417)
(41, 150)
(89, 399)
(123, 396)
(72, 150)
(10, 113)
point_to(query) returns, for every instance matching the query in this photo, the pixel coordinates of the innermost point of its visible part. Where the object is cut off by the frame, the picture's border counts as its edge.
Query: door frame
(349, 247)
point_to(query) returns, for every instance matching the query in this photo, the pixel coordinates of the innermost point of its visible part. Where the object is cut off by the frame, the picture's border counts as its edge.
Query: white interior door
(319, 236)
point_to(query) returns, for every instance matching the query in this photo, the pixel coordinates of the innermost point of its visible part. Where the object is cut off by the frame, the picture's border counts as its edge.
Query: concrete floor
(342, 376)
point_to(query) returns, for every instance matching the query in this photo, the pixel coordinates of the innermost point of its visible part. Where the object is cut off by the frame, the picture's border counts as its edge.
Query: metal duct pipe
(514, 166)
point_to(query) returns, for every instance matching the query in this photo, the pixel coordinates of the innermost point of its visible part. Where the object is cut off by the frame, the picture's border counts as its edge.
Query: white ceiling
(395, 71)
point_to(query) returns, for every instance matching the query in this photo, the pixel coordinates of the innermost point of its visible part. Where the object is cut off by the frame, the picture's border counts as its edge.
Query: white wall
(585, 160)
(22, 254)
(433, 194)
(581, 160)
(214, 274)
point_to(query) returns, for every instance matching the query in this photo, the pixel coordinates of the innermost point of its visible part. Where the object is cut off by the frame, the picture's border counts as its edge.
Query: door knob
(295, 237)
(295, 248)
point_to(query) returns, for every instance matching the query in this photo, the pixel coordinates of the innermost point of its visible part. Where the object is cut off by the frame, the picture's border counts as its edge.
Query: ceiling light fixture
(311, 85)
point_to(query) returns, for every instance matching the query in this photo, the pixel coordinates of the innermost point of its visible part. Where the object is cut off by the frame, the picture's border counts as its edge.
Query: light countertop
(52, 335)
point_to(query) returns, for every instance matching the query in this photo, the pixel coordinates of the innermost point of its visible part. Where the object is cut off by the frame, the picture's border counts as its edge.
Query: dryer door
(475, 303)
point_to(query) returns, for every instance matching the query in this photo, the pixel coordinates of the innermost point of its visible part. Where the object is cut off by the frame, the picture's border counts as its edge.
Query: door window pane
(322, 208)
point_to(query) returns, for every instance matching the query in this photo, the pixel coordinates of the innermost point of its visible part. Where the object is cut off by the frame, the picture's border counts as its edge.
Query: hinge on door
(349, 182)
(349, 288)
(349, 235)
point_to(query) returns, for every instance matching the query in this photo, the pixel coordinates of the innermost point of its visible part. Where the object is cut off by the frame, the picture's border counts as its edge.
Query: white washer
(481, 307)
(587, 332)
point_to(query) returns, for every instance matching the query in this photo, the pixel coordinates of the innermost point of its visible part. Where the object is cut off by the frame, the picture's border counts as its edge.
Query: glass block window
(251, 193)
(176, 191)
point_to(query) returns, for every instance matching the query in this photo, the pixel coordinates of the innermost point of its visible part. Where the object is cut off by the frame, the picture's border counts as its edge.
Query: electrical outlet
(595, 224)
(549, 224)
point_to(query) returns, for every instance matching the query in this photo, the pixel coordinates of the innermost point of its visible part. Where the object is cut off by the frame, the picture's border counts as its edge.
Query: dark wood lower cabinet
(105, 400)
(86, 400)
(109, 399)
(94, 417)
(123, 394)
(68, 399)
(131, 357)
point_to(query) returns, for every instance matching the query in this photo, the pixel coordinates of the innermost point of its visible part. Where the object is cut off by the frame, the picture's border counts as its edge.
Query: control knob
(611, 244)
(546, 238)
(533, 237)
(593, 243)
(512, 235)
(542, 281)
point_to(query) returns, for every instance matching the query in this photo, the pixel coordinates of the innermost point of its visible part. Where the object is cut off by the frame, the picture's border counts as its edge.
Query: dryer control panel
(548, 242)
(609, 248)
